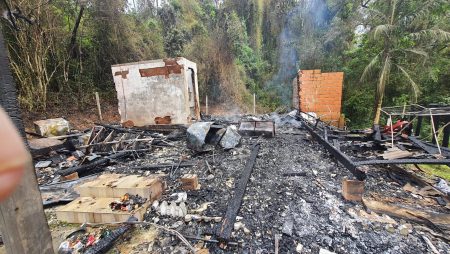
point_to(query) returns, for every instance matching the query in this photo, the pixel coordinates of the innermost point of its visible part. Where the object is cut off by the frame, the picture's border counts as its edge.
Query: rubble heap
(292, 202)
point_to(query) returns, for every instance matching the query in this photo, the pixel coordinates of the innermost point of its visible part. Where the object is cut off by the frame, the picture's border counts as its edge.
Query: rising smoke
(302, 21)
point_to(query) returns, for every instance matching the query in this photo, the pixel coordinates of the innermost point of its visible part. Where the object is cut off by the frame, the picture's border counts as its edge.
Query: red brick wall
(321, 93)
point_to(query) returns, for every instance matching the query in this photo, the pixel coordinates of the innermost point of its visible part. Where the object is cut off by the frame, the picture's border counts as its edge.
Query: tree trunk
(378, 106)
(73, 39)
(22, 220)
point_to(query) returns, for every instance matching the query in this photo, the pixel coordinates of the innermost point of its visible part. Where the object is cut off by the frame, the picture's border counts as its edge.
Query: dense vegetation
(395, 51)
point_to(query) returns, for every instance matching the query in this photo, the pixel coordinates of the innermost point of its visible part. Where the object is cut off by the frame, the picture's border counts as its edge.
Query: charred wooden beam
(419, 125)
(106, 243)
(163, 166)
(97, 163)
(223, 232)
(445, 140)
(441, 220)
(429, 148)
(340, 156)
(404, 161)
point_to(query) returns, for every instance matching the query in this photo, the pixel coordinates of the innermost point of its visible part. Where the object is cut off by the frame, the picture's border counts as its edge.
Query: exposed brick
(321, 93)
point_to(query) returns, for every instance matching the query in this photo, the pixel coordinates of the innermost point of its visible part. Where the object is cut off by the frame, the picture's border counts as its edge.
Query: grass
(441, 171)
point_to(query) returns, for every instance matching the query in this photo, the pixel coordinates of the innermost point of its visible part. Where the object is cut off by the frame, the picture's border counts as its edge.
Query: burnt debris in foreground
(283, 195)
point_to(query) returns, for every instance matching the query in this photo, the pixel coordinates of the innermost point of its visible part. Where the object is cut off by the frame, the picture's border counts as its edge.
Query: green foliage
(237, 48)
(437, 170)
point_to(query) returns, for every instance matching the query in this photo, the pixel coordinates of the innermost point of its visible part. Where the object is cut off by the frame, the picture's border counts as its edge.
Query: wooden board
(442, 220)
(96, 210)
(115, 186)
(396, 154)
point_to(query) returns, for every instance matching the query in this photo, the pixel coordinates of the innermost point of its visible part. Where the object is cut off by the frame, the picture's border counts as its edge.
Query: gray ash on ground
(294, 191)
(306, 210)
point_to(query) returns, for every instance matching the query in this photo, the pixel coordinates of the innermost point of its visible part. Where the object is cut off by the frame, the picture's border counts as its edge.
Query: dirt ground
(79, 119)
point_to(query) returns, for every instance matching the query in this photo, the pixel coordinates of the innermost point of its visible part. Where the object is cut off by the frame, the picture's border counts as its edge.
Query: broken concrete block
(189, 182)
(52, 127)
(352, 190)
(196, 135)
(203, 136)
(231, 139)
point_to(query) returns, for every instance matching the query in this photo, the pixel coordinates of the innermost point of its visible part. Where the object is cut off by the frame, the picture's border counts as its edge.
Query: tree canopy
(392, 51)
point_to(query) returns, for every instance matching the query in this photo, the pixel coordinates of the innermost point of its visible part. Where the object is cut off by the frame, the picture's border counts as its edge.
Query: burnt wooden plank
(422, 145)
(162, 166)
(100, 162)
(223, 232)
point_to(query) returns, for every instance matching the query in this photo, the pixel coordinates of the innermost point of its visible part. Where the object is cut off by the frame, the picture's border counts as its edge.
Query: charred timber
(163, 166)
(225, 229)
(100, 162)
(340, 156)
(105, 244)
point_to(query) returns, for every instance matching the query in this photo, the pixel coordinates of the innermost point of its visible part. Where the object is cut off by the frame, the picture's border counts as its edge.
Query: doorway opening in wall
(191, 92)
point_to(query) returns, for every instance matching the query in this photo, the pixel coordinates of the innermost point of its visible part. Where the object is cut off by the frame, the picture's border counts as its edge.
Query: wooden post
(446, 132)
(207, 109)
(22, 219)
(435, 125)
(254, 103)
(97, 98)
(419, 126)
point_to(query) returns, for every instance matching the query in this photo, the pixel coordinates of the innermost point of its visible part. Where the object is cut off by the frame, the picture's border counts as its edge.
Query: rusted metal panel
(257, 128)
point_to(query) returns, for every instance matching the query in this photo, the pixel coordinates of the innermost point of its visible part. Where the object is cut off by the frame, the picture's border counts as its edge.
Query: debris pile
(128, 203)
(241, 185)
(80, 240)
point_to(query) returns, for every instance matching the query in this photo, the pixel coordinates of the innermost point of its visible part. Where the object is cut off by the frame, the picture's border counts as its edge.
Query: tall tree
(401, 29)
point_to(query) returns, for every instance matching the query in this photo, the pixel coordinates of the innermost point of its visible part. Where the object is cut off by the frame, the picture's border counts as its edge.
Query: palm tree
(398, 21)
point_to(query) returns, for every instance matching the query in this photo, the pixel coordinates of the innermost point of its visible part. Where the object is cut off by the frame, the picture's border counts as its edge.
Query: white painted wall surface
(142, 99)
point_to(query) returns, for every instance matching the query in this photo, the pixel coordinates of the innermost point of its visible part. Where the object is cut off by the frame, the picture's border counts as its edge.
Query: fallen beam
(100, 162)
(225, 229)
(404, 161)
(163, 166)
(338, 154)
(423, 146)
(440, 220)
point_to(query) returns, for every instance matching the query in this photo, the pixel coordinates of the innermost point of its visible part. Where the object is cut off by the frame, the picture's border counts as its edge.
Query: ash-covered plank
(100, 162)
(225, 229)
